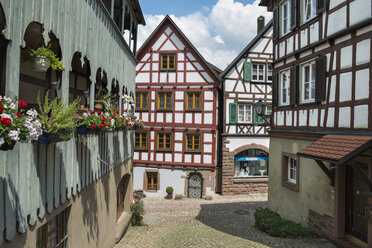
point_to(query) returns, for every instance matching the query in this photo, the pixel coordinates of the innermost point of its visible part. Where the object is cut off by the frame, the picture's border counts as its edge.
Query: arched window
(251, 163)
(3, 48)
(115, 92)
(122, 195)
(79, 79)
(101, 83)
(32, 83)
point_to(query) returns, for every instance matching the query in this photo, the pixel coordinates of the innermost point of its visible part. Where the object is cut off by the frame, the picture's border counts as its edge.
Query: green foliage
(45, 52)
(169, 190)
(57, 116)
(271, 223)
(137, 214)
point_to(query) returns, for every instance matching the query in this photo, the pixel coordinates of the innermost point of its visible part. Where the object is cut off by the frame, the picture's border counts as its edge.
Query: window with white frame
(258, 72)
(269, 73)
(269, 110)
(309, 10)
(284, 87)
(245, 113)
(285, 9)
(292, 167)
(308, 82)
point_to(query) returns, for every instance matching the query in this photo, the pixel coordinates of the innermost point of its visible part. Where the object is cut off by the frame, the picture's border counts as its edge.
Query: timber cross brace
(330, 173)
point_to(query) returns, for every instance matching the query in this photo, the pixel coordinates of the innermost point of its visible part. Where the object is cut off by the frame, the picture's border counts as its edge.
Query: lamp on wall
(260, 108)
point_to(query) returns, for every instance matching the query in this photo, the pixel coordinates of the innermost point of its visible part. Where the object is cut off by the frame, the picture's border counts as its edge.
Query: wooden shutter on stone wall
(321, 5)
(247, 71)
(294, 80)
(320, 79)
(276, 23)
(233, 107)
(274, 90)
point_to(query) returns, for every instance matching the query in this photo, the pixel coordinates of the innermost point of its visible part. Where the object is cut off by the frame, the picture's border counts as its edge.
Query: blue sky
(219, 29)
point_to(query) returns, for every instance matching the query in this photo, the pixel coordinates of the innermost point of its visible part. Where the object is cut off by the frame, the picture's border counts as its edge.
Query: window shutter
(320, 79)
(294, 21)
(274, 90)
(257, 119)
(145, 181)
(158, 181)
(247, 71)
(276, 23)
(294, 80)
(233, 112)
(321, 5)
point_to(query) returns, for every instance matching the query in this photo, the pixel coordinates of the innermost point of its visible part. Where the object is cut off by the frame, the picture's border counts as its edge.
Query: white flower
(85, 115)
(107, 114)
(14, 134)
(32, 113)
(112, 122)
(1, 140)
(13, 106)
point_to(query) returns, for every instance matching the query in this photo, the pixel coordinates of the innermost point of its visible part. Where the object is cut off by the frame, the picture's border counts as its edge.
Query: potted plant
(169, 191)
(101, 101)
(43, 58)
(80, 112)
(16, 124)
(56, 118)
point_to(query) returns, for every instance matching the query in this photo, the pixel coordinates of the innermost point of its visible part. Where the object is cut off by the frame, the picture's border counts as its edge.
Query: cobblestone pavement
(226, 222)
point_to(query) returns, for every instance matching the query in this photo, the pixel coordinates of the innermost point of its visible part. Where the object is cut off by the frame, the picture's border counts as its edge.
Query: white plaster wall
(360, 10)
(344, 117)
(337, 21)
(362, 84)
(168, 177)
(236, 142)
(361, 116)
(363, 51)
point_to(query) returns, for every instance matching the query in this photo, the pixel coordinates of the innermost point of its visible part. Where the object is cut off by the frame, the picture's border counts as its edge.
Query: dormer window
(168, 62)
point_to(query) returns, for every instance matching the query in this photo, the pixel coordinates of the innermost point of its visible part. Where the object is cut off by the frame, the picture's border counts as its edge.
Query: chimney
(260, 24)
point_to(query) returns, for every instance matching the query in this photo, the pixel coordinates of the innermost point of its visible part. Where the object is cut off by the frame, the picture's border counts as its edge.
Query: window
(193, 101)
(79, 80)
(245, 113)
(53, 234)
(168, 62)
(269, 110)
(251, 163)
(258, 72)
(192, 142)
(285, 8)
(151, 179)
(290, 171)
(141, 100)
(284, 87)
(269, 72)
(309, 9)
(308, 82)
(164, 141)
(141, 140)
(121, 193)
(164, 100)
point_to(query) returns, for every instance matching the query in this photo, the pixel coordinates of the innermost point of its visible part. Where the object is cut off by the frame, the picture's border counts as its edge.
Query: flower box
(7, 147)
(40, 63)
(83, 129)
(50, 137)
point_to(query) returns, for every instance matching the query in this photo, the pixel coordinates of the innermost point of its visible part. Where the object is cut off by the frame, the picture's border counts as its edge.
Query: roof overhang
(336, 149)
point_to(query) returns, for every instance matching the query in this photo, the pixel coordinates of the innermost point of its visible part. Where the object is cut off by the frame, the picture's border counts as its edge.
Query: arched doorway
(122, 194)
(195, 185)
(251, 163)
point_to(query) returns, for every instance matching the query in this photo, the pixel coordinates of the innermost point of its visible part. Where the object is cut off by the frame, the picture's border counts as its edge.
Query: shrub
(169, 190)
(271, 223)
(137, 214)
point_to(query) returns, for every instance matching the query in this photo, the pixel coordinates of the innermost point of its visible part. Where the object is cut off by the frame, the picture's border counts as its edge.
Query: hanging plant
(43, 58)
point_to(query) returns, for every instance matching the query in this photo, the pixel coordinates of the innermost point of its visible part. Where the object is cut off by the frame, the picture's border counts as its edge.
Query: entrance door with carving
(195, 186)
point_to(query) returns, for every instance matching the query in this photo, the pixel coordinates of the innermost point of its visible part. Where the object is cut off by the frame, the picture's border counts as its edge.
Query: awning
(336, 149)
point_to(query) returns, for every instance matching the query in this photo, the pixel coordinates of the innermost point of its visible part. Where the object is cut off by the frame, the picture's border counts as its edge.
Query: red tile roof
(336, 148)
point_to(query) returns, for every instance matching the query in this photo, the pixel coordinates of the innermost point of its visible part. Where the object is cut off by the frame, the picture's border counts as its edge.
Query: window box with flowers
(43, 58)
(17, 124)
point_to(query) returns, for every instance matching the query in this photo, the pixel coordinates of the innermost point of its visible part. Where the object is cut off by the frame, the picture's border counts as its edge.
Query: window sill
(141, 149)
(164, 110)
(194, 110)
(290, 186)
(198, 151)
(141, 110)
(251, 180)
(164, 150)
(168, 70)
(151, 191)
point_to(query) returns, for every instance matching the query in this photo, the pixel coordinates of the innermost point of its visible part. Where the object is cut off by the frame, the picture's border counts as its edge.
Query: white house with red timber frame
(177, 95)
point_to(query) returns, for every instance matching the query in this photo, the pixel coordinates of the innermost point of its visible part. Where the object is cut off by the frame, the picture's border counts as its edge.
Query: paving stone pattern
(226, 222)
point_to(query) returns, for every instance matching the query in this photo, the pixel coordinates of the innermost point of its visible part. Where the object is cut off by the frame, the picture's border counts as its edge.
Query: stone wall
(321, 224)
(231, 186)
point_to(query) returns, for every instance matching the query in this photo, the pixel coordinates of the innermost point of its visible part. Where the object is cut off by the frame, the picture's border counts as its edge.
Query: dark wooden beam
(362, 174)
(330, 173)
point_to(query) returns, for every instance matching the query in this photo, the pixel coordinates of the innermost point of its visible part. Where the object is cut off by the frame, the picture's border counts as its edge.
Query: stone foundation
(321, 224)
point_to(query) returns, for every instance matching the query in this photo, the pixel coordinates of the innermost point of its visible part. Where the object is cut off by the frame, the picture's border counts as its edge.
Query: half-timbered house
(320, 141)
(177, 98)
(74, 193)
(245, 141)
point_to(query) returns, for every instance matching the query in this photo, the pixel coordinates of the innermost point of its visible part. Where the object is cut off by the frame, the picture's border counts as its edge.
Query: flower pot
(40, 64)
(86, 130)
(98, 105)
(170, 196)
(80, 112)
(7, 147)
(50, 137)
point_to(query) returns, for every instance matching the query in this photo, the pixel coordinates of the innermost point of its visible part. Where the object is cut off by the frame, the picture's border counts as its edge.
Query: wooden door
(356, 203)
(195, 186)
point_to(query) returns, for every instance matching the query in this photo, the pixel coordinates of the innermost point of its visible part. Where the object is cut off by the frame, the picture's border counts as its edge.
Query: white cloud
(220, 33)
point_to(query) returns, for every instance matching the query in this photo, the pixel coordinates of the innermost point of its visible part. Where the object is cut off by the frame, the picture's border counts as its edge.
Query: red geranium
(5, 121)
(114, 109)
(114, 114)
(101, 125)
(103, 118)
(1, 110)
(22, 104)
(18, 114)
(99, 112)
(106, 125)
(92, 112)
(122, 120)
(93, 126)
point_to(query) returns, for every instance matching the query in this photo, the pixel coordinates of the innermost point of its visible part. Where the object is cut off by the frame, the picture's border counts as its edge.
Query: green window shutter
(247, 71)
(257, 119)
(233, 112)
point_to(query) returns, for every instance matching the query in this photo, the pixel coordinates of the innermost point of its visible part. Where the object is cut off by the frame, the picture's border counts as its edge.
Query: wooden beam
(330, 174)
(362, 174)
